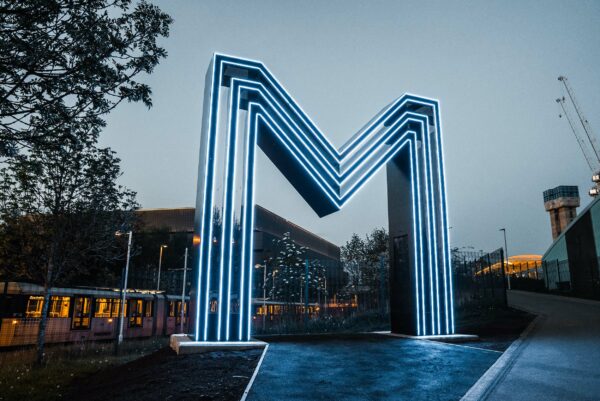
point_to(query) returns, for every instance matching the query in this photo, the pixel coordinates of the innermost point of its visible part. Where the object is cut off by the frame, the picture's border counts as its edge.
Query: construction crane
(587, 143)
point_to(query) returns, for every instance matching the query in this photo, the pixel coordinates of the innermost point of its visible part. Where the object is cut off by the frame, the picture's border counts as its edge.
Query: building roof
(524, 258)
(175, 220)
(269, 222)
(562, 191)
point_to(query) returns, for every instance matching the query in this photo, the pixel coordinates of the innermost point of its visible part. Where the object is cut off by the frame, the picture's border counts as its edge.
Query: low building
(571, 263)
(175, 227)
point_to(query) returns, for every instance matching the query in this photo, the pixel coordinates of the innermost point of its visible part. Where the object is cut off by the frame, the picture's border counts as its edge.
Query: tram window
(81, 313)
(171, 308)
(185, 311)
(102, 307)
(34, 306)
(116, 308)
(135, 312)
(148, 310)
(59, 307)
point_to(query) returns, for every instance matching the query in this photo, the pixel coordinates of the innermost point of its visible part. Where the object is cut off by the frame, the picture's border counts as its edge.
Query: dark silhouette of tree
(65, 64)
(362, 261)
(60, 207)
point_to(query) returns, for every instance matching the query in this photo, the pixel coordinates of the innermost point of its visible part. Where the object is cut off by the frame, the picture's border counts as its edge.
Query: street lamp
(185, 260)
(124, 287)
(506, 251)
(258, 266)
(159, 265)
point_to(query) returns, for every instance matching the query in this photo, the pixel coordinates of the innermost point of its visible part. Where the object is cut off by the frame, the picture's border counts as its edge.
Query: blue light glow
(254, 109)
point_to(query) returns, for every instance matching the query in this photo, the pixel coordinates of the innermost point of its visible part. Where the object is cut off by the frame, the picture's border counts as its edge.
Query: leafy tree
(287, 279)
(362, 262)
(287, 270)
(60, 207)
(66, 63)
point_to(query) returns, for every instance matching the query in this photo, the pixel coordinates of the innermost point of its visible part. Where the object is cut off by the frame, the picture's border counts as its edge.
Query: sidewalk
(559, 359)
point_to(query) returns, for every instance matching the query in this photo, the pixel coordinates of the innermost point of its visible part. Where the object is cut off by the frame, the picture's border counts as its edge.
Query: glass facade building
(571, 264)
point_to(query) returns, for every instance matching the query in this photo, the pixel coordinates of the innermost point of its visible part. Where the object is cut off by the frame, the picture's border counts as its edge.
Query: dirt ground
(163, 375)
(496, 329)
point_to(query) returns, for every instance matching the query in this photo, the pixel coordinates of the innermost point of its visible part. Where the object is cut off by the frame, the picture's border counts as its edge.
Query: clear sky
(493, 65)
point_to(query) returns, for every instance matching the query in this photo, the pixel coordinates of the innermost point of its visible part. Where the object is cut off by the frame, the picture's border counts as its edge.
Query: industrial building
(571, 263)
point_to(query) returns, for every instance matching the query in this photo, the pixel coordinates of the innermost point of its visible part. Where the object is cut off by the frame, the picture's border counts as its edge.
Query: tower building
(561, 203)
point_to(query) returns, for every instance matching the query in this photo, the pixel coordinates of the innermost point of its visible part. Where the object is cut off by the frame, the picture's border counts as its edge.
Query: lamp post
(185, 259)
(506, 251)
(258, 266)
(124, 287)
(159, 266)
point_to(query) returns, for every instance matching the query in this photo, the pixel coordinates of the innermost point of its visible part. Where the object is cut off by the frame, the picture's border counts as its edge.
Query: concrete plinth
(183, 344)
(448, 338)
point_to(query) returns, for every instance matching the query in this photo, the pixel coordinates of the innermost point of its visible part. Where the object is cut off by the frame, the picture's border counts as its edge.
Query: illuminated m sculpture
(245, 107)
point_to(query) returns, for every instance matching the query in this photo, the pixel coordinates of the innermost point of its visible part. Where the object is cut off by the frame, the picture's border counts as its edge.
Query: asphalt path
(368, 367)
(560, 357)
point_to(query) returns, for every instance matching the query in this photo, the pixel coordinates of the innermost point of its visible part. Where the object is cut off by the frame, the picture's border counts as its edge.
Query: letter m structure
(245, 107)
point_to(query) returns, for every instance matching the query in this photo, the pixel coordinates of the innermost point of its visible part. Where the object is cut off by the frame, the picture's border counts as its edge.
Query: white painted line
(486, 383)
(251, 382)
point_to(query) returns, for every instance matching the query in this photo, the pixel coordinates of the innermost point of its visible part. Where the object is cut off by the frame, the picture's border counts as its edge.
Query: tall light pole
(124, 287)
(185, 258)
(506, 251)
(159, 265)
(258, 266)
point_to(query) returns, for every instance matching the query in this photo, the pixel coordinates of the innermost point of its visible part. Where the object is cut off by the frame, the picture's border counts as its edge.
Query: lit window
(59, 307)
(34, 306)
(135, 312)
(116, 308)
(102, 307)
(81, 313)
(148, 311)
(172, 308)
(213, 305)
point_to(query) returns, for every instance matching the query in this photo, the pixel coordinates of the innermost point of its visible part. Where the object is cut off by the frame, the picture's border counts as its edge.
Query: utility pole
(124, 290)
(381, 284)
(305, 294)
(159, 266)
(506, 251)
(185, 259)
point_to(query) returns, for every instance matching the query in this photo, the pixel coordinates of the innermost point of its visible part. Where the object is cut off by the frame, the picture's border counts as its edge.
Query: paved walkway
(560, 359)
(368, 367)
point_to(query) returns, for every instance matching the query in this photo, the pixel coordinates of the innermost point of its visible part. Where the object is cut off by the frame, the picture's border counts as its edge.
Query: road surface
(368, 368)
(560, 358)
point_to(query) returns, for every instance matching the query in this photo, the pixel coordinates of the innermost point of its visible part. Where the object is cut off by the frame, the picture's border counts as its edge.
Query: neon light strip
(362, 148)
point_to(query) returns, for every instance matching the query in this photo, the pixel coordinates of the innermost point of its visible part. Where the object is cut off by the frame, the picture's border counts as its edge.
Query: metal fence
(321, 296)
(479, 280)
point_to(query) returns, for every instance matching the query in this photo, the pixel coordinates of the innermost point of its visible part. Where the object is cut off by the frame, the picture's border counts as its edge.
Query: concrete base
(448, 338)
(183, 344)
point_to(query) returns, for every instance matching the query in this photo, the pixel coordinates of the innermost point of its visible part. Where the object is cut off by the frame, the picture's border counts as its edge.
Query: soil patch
(164, 375)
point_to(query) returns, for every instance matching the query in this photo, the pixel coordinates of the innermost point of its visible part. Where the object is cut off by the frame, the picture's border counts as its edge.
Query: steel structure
(589, 147)
(245, 107)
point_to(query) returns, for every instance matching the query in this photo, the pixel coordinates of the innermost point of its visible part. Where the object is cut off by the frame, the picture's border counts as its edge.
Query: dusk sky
(492, 65)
